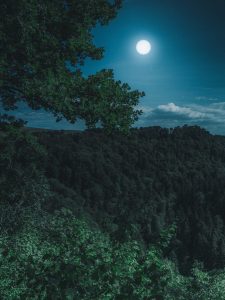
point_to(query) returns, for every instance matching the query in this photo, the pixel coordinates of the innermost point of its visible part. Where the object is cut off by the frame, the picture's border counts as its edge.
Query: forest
(147, 182)
(91, 216)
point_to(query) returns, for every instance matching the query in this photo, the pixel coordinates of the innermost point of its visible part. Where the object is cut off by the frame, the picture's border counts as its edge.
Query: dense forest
(85, 215)
(144, 183)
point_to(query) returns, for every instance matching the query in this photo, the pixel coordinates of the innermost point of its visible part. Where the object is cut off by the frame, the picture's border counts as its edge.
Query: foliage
(60, 257)
(139, 185)
(43, 46)
(61, 239)
(22, 184)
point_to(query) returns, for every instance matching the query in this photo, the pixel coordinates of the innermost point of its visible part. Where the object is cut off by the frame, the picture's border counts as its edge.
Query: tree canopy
(89, 216)
(60, 256)
(43, 45)
(146, 181)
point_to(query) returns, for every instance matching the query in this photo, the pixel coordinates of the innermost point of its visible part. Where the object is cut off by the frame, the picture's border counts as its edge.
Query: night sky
(184, 74)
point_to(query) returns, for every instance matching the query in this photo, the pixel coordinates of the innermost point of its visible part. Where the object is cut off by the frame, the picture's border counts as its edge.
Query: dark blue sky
(183, 76)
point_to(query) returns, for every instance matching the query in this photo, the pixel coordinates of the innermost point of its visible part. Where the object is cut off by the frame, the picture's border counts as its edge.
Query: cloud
(214, 112)
(181, 110)
(211, 116)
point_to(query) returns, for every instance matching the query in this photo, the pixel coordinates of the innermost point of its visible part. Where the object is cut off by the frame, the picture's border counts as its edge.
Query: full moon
(143, 47)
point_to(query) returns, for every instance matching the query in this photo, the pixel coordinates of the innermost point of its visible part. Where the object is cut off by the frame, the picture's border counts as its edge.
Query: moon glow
(143, 47)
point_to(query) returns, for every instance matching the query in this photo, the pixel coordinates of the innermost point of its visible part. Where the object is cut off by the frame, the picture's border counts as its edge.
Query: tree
(43, 44)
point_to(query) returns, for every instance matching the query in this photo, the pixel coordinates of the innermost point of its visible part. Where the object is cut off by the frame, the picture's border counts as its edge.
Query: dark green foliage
(22, 184)
(105, 225)
(139, 185)
(43, 45)
(59, 257)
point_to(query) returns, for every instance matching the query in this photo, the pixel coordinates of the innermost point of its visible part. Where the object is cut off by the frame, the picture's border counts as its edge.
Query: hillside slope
(141, 184)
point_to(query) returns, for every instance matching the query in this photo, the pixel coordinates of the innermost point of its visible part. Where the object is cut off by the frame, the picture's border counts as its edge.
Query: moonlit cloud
(211, 117)
(181, 110)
